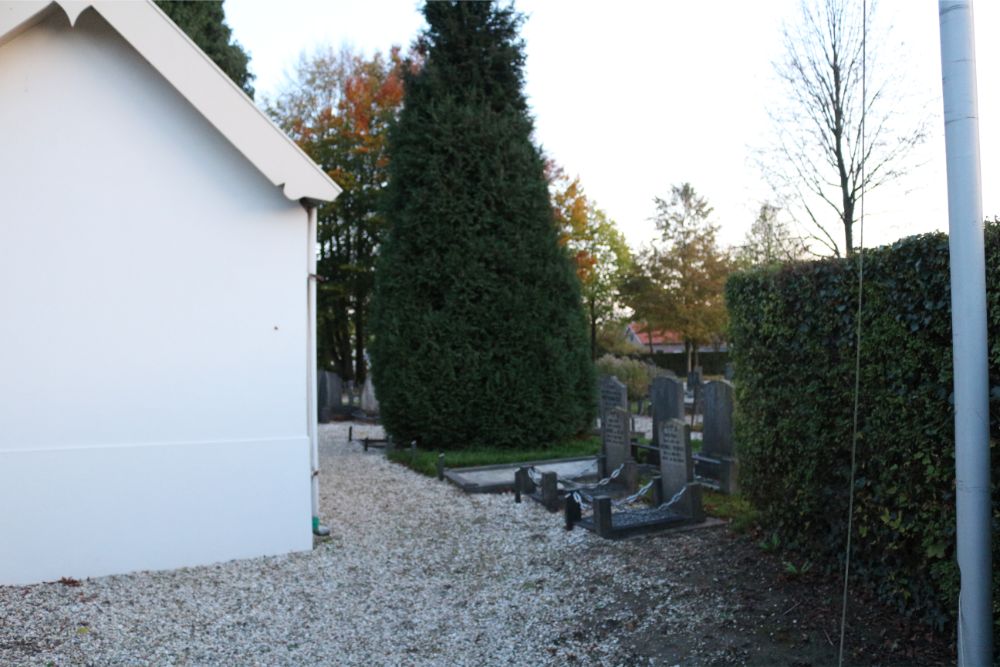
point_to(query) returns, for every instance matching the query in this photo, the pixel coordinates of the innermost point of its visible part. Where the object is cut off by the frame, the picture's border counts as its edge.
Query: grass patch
(425, 461)
(733, 508)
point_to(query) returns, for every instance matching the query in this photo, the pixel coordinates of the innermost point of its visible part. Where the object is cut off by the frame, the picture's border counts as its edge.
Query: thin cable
(857, 351)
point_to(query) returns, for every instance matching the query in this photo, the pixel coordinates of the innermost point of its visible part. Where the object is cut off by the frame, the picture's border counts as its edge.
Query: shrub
(634, 374)
(792, 334)
(479, 334)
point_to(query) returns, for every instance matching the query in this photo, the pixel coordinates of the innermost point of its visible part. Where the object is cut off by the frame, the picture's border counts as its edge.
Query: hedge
(792, 342)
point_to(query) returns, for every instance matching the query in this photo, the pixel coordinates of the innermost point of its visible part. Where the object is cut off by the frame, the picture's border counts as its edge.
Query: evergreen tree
(205, 23)
(479, 336)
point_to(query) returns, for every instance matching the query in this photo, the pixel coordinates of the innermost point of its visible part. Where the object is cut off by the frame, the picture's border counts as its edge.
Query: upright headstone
(328, 394)
(717, 438)
(677, 468)
(728, 373)
(718, 448)
(369, 402)
(615, 438)
(613, 394)
(667, 396)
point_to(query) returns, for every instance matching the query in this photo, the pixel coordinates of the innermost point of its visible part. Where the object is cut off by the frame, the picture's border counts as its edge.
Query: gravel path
(415, 573)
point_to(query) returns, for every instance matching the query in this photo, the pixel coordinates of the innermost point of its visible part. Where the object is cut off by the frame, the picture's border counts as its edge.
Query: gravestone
(677, 468)
(667, 396)
(717, 438)
(329, 392)
(728, 372)
(717, 460)
(369, 402)
(615, 438)
(613, 394)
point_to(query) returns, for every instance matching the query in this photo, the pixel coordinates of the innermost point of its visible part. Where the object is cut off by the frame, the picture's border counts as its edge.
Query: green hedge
(792, 333)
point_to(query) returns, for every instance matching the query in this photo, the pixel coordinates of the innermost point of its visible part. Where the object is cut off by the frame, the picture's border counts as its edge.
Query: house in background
(157, 237)
(663, 341)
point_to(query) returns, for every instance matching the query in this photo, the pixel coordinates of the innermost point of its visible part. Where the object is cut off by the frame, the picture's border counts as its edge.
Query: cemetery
(359, 374)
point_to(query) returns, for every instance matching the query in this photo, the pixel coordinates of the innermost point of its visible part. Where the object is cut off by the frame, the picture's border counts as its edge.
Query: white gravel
(415, 573)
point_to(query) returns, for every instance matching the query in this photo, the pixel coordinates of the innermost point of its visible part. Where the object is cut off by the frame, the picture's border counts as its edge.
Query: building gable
(165, 46)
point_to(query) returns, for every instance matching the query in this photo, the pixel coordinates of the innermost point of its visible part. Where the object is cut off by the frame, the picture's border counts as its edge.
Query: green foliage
(205, 23)
(792, 332)
(479, 335)
(634, 374)
(735, 508)
(425, 461)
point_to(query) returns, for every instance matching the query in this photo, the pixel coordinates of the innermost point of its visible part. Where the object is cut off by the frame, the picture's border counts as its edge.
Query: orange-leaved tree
(598, 249)
(338, 107)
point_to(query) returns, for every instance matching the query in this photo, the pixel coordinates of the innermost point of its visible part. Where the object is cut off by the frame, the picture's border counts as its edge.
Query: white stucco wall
(153, 323)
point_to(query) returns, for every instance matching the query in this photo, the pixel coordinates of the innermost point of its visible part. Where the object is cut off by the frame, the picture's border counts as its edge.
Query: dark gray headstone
(667, 396)
(613, 394)
(728, 372)
(677, 468)
(615, 438)
(717, 433)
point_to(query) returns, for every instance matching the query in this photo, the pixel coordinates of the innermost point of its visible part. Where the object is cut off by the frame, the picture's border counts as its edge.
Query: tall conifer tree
(479, 336)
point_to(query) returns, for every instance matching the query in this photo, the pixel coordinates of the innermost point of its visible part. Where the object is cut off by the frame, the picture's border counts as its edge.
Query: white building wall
(153, 323)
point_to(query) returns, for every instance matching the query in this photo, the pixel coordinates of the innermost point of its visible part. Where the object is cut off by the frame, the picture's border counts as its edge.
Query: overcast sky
(636, 96)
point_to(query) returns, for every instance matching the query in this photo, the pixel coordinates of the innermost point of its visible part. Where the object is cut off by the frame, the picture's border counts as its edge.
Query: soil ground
(767, 616)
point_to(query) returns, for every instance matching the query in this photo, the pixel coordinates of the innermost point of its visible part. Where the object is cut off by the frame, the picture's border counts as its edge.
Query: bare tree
(837, 135)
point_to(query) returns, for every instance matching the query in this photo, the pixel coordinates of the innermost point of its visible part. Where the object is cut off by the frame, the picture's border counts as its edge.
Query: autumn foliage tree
(678, 281)
(598, 249)
(479, 334)
(338, 108)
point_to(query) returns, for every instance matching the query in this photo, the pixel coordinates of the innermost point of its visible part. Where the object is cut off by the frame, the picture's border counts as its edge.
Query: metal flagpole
(968, 320)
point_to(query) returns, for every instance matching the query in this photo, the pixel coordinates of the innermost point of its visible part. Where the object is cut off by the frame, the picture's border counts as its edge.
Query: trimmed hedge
(792, 336)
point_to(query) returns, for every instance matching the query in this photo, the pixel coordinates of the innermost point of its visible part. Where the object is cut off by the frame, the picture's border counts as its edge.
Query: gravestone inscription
(615, 438)
(677, 468)
(667, 395)
(613, 394)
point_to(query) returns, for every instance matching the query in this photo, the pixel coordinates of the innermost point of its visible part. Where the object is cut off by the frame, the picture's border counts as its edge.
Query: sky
(637, 96)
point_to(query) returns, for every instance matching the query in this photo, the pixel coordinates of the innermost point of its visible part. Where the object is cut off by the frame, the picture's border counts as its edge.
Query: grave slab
(500, 478)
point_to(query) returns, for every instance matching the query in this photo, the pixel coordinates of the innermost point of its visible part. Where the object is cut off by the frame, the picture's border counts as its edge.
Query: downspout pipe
(968, 322)
(312, 418)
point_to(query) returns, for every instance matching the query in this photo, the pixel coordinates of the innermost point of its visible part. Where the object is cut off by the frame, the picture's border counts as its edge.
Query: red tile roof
(662, 337)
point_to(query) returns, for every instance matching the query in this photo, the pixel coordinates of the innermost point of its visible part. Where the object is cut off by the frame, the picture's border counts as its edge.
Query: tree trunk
(687, 349)
(593, 330)
(849, 224)
(360, 368)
